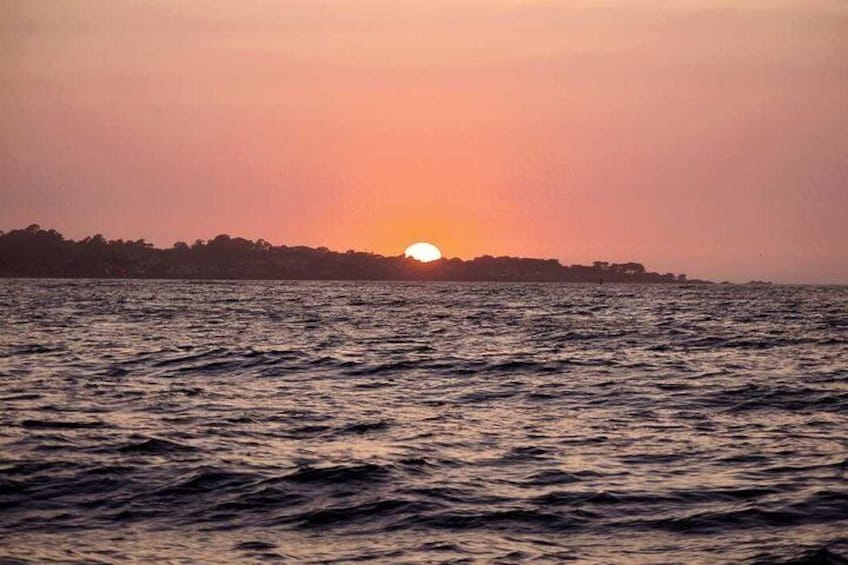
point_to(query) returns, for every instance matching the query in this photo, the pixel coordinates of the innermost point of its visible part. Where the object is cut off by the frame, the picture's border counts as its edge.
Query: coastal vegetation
(37, 252)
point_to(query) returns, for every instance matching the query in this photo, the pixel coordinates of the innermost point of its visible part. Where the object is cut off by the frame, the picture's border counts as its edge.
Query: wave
(61, 425)
(326, 422)
(154, 446)
(802, 555)
(340, 474)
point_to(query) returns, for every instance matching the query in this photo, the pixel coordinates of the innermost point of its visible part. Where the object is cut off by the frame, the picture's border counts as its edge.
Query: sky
(695, 136)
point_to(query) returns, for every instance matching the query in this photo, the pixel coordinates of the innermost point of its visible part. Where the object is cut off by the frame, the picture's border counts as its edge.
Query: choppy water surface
(313, 422)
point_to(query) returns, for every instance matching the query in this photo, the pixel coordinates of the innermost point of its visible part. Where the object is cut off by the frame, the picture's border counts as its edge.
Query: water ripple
(233, 421)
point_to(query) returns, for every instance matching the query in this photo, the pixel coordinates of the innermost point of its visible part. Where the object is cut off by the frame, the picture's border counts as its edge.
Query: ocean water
(222, 422)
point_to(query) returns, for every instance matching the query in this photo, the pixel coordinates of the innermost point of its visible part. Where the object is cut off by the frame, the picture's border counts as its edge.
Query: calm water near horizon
(312, 422)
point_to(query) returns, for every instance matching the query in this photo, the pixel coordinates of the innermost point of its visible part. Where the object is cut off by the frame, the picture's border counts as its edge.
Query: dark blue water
(333, 422)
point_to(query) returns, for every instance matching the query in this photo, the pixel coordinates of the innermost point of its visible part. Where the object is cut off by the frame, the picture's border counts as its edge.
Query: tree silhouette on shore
(36, 252)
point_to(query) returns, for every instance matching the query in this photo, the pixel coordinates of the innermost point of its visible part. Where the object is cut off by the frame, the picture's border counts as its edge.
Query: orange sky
(701, 137)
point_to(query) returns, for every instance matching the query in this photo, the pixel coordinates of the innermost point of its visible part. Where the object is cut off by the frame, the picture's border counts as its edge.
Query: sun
(423, 251)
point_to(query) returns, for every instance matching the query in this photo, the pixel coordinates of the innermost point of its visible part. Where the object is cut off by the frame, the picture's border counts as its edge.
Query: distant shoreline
(33, 252)
(469, 281)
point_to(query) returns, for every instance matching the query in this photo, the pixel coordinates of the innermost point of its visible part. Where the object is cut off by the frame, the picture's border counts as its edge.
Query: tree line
(36, 252)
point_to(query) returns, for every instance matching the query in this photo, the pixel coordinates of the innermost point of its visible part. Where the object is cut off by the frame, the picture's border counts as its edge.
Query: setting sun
(424, 252)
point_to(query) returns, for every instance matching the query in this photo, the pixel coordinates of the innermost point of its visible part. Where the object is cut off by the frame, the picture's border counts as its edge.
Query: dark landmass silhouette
(35, 252)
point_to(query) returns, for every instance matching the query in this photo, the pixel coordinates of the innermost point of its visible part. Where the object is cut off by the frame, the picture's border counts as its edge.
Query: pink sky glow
(706, 137)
